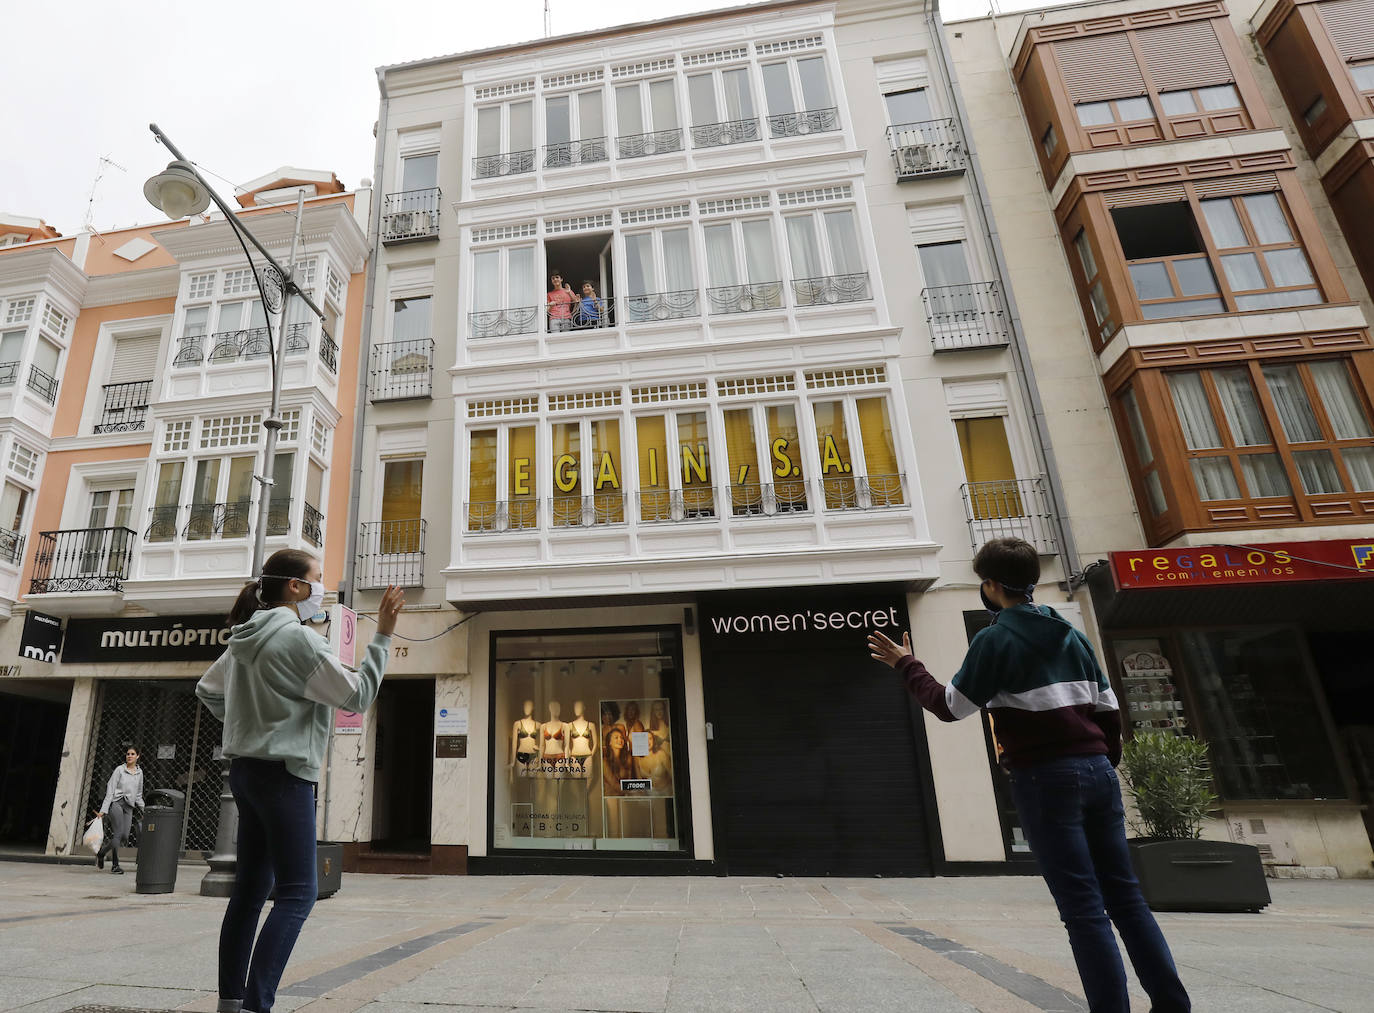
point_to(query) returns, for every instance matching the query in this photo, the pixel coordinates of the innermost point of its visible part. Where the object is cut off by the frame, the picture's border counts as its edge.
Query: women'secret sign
(1218, 565)
(828, 618)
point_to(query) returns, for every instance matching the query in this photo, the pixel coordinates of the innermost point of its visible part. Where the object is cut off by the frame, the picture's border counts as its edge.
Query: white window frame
(794, 81)
(503, 273)
(656, 246)
(575, 97)
(718, 94)
(648, 122)
(506, 144)
(743, 267)
(826, 254)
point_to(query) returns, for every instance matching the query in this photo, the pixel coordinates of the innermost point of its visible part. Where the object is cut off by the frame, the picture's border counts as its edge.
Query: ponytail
(268, 589)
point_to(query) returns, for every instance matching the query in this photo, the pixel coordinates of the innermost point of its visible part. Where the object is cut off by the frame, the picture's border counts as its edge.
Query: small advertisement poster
(42, 637)
(347, 723)
(451, 721)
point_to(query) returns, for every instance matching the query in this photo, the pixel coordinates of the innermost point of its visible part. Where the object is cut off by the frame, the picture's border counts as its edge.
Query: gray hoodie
(276, 686)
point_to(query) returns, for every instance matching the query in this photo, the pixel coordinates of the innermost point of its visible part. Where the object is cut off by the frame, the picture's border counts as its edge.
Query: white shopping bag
(94, 836)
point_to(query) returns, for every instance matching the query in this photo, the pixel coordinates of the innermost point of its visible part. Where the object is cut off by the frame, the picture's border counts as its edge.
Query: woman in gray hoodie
(123, 795)
(275, 688)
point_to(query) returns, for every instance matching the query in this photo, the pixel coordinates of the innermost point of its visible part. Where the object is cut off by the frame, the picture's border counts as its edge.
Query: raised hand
(392, 601)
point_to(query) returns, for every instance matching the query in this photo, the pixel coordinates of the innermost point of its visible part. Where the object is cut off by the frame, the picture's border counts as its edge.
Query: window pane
(844, 242)
(1317, 472)
(1085, 254)
(908, 106)
(1181, 308)
(1290, 399)
(1154, 488)
(746, 490)
(701, 96)
(283, 465)
(944, 264)
(1339, 398)
(1264, 475)
(801, 241)
(739, 100)
(402, 487)
(814, 87)
(168, 483)
(1221, 96)
(1364, 76)
(837, 466)
(486, 282)
(12, 342)
(1098, 298)
(420, 172)
(1151, 281)
(1243, 272)
(1195, 277)
(410, 319)
(521, 472)
(694, 456)
(880, 452)
(1214, 478)
(777, 88)
(663, 104)
(521, 126)
(1359, 461)
(759, 258)
(677, 261)
(566, 460)
(206, 489)
(989, 468)
(12, 503)
(1177, 103)
(1138, 108)
(604, 479)
(1279, 300)
(629, 117)
(1267, 217)
(639, 255)
(652, 441)
(1288, 267)
(489, 130)
(1194, 411)
(720, 255)
(520, 281)
(1224, 222)
(591, 122)
(785, 457)
(1094, 114)
(1136, 423)
(482, 479)
(1241, 406)
(558, 120)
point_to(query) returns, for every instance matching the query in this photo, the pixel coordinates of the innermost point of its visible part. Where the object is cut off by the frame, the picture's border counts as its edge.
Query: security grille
(178, 740)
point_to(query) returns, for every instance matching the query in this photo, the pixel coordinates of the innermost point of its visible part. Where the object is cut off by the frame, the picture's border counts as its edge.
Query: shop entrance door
(33, 723)
(816, 766)
(404, 764)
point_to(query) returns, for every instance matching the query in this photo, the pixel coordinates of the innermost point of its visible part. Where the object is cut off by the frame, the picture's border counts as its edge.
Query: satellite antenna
(104, 165)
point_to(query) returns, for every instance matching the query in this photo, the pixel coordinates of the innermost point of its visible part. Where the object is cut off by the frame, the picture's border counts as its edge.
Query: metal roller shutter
(1233, 186)
(1145, 195)
(1099, 67)
(1350, 23)
(1186, 55)
(135, 359)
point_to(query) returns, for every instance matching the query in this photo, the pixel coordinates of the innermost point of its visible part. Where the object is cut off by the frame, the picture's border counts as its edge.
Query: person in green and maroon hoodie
(1060, 730)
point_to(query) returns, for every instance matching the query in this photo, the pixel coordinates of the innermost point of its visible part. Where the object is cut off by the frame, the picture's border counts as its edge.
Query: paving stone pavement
(72, 938)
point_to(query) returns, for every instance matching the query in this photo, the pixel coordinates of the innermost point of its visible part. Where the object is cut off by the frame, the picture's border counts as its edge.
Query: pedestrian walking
(1059, 729)
(123, 803)
(275, 688)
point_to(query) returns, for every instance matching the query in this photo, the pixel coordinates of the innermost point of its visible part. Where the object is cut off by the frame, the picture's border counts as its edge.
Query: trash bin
(159, 841)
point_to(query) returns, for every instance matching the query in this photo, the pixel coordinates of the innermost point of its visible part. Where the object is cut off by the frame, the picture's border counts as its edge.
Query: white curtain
(844, 242)
(801, 241)
(639, 255)
(1214, 478)
(663, 104)
(1359, 461)
(677, 261)
(720, 255)
(1194, 413)
(1222, 219)
(739, 100)
(486, 284)
(420, 172)
(45, 356)
(1241, 407)
(701, 96)
(558, 120)
(521, 126)
(12, 342)
(411, 319)
(777, 88)
(520, 277)
(591, 122)
(758, 251)
(1340, 400)
(944, 264)
(1288, 267)
(1317, 472)
(629, 117)
(814, 87)
(1264, 475)
(1143, 450)
(1295, 413)
(489, 130)
(1267, 217)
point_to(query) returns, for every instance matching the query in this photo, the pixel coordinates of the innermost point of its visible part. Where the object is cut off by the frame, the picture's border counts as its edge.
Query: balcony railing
(928, 148)
(401, 370)
(312, 525)
(219, 520)
(710, 135)
(655, 142)
(695, 503)
(508, 163)
(587, 511)
(810, 121)
(391, 552)
(585, 314)
(248, 343)
(1014, 508)
(661, 306)
(84, 559)
(126, 407)
(9, 373)
(410, 215)
(966, 316)
(278, 516)
(834, 288)
(190, 350)
(502, 515)
(762, 295)
(43, 385)
(755, 499)
(583, 152)
(11, 546)
(163, 525)
(329, 352)
(503, 322)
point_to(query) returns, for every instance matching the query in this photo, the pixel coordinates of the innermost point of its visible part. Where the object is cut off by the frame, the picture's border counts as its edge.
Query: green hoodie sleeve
(210, 689)
(330, 683)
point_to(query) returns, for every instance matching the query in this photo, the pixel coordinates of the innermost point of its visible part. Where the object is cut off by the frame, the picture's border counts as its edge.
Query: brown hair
(269, 589)
(1011, 562)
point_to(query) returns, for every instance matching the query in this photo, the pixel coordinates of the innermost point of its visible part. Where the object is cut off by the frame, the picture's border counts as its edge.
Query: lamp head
(176, 192)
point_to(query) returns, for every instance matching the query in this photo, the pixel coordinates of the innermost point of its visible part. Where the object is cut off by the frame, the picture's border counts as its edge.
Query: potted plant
(1178, 871)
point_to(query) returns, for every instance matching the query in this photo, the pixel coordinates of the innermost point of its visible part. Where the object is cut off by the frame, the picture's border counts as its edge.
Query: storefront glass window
(587, 741)
(1264, 731)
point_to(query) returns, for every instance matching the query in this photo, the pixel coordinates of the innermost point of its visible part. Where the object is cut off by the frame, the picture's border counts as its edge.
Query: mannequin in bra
(524, 743)
(581, 736)
(552, 749)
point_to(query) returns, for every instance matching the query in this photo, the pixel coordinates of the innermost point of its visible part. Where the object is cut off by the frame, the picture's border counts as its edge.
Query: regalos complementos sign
(1269, 563)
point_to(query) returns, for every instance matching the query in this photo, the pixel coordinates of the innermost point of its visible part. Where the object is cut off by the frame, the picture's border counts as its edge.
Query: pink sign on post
(347, 723)
(348, 636)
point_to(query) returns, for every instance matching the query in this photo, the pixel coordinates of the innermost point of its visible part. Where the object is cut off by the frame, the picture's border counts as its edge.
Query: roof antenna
(548, 25)
(105, 162)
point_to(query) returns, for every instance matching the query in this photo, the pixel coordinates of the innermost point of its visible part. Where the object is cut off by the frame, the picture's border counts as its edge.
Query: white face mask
(308, 608)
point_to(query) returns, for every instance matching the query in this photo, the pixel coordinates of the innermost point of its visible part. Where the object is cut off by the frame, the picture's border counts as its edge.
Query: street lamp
(177, 191)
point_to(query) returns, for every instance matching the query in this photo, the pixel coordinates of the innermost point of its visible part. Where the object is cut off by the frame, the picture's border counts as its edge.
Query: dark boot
(114, 861)
(100, 856)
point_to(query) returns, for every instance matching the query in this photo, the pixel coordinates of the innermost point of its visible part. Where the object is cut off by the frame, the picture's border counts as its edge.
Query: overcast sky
(241, 89)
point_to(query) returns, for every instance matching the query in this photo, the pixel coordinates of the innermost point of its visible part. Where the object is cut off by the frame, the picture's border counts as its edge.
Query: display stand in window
(1152, 699)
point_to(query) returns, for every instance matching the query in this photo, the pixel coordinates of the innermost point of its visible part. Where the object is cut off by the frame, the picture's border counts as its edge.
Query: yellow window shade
(521, 481)
(837, 468)
(402, 485)
(605, 471)
(481, 479)
(880, 450)
(988, 467)
(651, 434)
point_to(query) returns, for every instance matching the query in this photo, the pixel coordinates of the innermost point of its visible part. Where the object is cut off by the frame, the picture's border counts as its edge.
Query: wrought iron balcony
(755, 499)
(1014, 508)
(247, 343)
(297, 338)
(692, 503)
(762, 295)
(9, 373)
(84, 559)
(655, 142)
(587, 511)
(312, 525)
(410, 215)
(11, 546)
(711, 135)
(810, 121)
(401, 370)
(43, 385)
(508, 163)
(661, 306)
(583, 152)
(329, 352)
(928, 148)
(190, 350)
(503, 322)
(879, 491)
(163, 525)
(966, 316)
(834, 288)
(391, 553)
(278, 516)
(501, 515)
(219, 520)
(585, 314)
(126, 407)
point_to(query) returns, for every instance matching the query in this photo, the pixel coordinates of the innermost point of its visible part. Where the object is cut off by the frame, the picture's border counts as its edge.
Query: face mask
(308, 608)
(988, 603)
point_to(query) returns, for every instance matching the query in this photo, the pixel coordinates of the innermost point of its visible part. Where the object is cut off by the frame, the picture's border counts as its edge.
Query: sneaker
(117, 871)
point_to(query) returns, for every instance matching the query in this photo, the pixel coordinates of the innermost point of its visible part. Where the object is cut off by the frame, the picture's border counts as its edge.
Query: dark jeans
(1074, 820)
(276, 846)
(121, 817)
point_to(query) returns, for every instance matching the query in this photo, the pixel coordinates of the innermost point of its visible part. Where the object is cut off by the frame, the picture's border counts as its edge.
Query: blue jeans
(1074, 820)
(276, 846)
